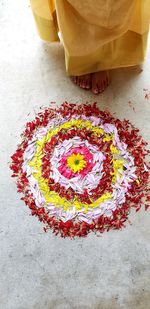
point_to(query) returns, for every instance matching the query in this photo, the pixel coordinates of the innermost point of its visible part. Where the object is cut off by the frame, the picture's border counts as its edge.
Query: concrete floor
(42, 271)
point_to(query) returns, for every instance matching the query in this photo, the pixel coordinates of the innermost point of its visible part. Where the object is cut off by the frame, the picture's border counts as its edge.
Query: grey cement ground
(42, 271)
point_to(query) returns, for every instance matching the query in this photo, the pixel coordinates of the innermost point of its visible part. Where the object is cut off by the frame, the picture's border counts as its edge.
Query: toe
(87, 85)
(81, 82)
(101, 88)
(78, 81)
(75, 79)
(103, 85)
(95, 89)
(84, 83)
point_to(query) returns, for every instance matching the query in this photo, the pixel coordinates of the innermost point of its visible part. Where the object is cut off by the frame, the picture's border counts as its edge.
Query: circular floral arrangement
(81, 170)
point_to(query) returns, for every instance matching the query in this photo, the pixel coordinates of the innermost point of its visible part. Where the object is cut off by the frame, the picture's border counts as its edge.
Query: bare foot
(83, 81)
(100, 81)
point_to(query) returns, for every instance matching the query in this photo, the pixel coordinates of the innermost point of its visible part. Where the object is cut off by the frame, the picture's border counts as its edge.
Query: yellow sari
(97, 34)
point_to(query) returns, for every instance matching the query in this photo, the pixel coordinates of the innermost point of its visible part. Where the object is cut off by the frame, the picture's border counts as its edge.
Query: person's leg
(95, 44)
(45, 18)
(96, 37)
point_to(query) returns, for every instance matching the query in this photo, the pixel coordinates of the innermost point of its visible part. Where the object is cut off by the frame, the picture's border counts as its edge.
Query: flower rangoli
(80, 169)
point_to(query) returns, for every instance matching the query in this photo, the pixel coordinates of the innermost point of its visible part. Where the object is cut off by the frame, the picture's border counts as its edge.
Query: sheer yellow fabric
(97, 34)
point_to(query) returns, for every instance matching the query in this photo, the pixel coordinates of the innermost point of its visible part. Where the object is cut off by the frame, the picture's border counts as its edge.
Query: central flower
(76, 162)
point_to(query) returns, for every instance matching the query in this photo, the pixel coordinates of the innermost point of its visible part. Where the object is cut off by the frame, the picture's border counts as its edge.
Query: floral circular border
(80, 169)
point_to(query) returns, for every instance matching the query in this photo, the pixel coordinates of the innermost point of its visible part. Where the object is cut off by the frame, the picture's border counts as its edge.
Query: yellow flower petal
(76, 162)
